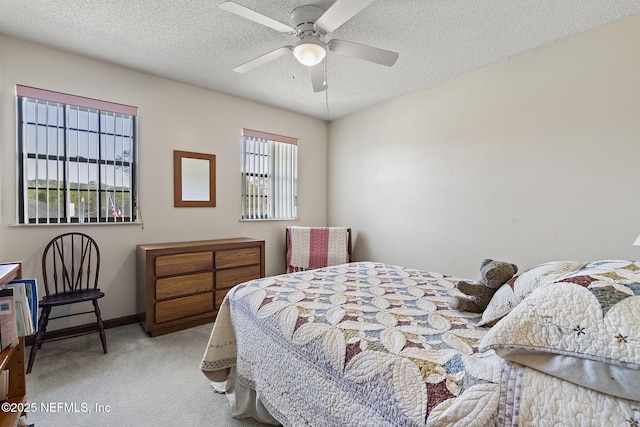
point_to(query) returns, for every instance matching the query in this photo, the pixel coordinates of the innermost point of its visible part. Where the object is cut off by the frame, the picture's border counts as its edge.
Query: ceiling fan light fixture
(309, 51)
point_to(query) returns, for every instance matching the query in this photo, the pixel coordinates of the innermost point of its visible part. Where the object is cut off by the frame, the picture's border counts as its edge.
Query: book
(23, 313)
(20, 319)
(4, 384)
(32, 295)
(31, 289)
(8, 323)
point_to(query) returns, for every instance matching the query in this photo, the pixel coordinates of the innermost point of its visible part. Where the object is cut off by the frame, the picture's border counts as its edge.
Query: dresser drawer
(168, 265)
(226, 279)
(237, 257)
(170, 287)
(183, 307)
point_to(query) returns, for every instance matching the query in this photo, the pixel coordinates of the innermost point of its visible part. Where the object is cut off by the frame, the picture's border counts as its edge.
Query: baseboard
(80, 329)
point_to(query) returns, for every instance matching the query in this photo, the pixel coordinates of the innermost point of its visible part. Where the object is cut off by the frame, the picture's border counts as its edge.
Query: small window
(269, 176)
(76, 159)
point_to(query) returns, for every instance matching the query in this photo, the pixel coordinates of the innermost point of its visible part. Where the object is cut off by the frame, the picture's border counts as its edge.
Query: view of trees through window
(76, 163)
(269, 176)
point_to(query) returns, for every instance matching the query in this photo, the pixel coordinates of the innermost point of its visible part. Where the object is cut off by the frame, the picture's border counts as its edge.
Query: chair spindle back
(71, 262)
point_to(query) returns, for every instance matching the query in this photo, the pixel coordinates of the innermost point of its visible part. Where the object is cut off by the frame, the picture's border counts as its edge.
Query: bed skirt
(245, 402)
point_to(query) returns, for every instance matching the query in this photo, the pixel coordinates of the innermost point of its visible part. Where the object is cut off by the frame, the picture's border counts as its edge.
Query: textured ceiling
(196, 42)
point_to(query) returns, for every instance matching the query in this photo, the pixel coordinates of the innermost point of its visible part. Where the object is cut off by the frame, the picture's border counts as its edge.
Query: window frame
(107, 210)
(273, 196)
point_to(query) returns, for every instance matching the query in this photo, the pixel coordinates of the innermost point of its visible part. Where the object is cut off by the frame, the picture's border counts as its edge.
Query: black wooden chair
(70, 269)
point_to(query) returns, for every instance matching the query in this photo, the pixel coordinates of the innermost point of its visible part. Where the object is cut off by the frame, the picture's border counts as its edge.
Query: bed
(373, 344)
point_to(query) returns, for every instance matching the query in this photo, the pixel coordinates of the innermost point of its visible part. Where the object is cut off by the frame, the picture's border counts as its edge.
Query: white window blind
(76, 159)
(269, 176)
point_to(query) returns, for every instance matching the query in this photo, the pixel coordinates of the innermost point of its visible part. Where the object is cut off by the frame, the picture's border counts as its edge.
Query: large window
(76, 159)
(269, 176)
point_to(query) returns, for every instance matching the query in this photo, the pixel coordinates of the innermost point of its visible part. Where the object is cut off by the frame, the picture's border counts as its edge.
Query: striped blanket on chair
(315, 247)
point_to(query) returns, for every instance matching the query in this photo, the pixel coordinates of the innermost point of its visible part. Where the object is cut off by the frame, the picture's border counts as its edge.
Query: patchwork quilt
(376, 344)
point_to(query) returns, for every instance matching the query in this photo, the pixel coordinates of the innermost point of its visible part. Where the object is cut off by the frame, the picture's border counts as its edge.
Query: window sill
(268, 219)
(75, 224)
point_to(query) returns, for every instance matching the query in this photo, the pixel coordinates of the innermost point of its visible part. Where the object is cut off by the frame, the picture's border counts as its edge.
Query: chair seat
(71, 297)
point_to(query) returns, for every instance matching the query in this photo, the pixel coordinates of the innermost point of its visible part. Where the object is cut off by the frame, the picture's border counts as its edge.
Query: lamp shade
(637, 241)
(309, 52)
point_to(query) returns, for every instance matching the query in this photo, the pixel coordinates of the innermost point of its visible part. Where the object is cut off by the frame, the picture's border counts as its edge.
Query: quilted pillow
(583, 328)
(519, 287)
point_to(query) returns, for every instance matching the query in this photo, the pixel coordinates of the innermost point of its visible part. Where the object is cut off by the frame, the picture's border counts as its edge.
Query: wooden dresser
(182, 284)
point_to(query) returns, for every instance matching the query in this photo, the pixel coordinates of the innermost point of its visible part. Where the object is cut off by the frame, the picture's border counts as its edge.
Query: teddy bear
(478, 294)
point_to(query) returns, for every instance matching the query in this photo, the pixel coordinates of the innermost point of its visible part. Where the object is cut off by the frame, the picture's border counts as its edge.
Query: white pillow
(520, 286)
(583, 328)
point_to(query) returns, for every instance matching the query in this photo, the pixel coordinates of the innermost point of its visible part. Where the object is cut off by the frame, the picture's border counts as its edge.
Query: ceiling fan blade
(368, 53)
(262, 59)
(339, 13)
(318, 80)
(254, 16)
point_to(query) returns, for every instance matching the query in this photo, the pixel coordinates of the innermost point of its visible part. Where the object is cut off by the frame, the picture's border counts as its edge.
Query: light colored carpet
(142, 381)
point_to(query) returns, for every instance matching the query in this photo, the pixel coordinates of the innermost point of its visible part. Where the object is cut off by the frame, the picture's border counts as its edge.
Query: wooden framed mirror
(194, 179)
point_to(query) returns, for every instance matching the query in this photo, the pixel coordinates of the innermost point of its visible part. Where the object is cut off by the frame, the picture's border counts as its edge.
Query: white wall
(533, 159)
(172, 116)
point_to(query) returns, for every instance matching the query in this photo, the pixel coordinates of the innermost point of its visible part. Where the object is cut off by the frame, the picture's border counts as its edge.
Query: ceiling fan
(311, 24)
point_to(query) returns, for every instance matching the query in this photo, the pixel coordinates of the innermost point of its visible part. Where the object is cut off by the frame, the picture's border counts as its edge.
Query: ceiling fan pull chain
(293, 61)
(326, 92)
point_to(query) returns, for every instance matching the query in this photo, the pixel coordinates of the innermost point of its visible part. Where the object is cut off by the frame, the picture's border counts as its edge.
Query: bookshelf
(13, 357)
